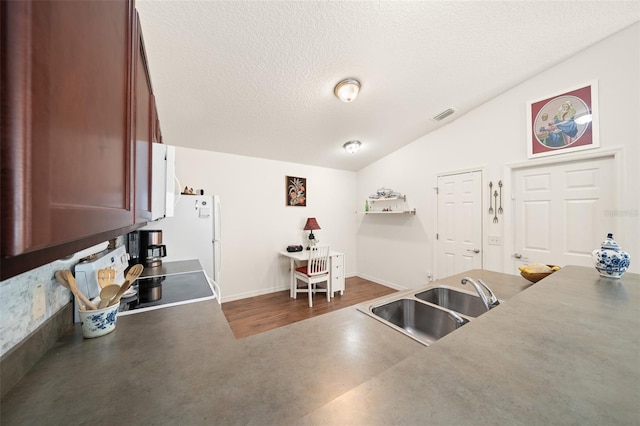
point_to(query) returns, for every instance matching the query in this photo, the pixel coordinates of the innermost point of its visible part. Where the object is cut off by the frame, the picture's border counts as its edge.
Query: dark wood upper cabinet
(74, 158)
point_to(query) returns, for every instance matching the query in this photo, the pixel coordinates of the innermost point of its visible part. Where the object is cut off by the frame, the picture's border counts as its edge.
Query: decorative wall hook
(490, 195)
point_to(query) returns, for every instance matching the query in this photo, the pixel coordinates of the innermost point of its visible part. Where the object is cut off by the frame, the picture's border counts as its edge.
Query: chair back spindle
(318, 260)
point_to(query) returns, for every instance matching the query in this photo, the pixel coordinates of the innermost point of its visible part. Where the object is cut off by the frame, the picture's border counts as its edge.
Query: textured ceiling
(256, 78)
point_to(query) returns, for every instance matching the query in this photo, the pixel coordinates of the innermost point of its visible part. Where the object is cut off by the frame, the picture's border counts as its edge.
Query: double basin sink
(426, 315)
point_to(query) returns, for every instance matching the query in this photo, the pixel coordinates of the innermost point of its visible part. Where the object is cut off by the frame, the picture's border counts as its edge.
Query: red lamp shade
(311, 225)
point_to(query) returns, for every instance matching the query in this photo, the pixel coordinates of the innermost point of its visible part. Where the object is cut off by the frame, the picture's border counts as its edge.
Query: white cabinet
(337, 274)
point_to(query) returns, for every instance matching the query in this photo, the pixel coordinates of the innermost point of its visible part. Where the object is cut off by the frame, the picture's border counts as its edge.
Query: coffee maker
(145, 247)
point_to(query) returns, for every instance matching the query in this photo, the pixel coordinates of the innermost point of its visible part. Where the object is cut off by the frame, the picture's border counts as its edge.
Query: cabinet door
(144, 130)
(66, 112)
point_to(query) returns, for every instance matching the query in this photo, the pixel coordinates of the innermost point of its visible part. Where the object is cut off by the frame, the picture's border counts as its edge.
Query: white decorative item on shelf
(609, 260)
(384, 192)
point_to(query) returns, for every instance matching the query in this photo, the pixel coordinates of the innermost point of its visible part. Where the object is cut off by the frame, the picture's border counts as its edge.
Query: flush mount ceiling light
(352, 146)
(347, 90)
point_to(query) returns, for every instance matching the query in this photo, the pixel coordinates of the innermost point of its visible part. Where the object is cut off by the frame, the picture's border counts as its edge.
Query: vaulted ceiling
(256, 78)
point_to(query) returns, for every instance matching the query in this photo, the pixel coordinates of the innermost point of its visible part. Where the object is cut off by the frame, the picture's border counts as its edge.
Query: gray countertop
(565, 350)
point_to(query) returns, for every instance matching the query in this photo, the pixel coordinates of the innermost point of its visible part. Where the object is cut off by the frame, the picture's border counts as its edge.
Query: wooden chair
(316, 271)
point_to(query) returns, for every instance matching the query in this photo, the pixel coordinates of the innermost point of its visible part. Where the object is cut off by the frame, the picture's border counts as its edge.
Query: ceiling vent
(444, 114)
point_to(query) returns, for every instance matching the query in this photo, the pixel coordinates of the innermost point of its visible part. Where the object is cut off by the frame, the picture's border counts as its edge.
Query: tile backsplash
(20, 310)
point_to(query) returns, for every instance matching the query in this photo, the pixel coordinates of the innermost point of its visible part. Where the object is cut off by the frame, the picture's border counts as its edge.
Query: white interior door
(559, 211)
(459, 223)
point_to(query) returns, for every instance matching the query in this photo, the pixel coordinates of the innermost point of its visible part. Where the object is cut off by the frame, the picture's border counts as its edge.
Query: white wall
(399, 250)
(256, 223)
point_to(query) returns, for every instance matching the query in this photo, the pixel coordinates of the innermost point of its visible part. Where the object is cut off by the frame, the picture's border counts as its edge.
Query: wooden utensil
(81, 306)
(106, 294)
(123, 288)
(60, 278)
(106, 277)
(134, 272)
(71, 282)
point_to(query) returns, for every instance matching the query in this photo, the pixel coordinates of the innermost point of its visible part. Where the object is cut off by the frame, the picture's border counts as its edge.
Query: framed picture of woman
(563, 123)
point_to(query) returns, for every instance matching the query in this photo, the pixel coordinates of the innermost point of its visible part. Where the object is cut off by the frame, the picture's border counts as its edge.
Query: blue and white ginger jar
(609, 260)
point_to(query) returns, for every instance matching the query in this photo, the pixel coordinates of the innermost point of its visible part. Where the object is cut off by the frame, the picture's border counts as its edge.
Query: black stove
(163, 291)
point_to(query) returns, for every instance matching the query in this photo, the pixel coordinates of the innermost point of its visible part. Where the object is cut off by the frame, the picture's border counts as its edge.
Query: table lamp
(311, 225)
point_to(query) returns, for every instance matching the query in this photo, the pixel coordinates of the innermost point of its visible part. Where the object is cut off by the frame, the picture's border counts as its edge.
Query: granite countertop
(565, 350)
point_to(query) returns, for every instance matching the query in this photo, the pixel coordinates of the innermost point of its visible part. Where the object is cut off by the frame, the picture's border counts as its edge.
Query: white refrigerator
(194, 233)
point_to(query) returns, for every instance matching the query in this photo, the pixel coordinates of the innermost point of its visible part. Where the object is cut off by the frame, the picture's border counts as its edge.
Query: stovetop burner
(167, 290)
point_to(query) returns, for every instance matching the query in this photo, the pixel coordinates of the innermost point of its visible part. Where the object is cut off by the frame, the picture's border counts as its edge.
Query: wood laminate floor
(254, 315)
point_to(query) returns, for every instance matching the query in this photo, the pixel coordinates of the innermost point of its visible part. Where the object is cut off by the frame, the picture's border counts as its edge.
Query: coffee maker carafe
(146, 247)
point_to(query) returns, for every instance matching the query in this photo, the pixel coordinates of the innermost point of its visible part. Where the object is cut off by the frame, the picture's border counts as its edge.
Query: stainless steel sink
(424, 322)
(461, 302)
(426, 314)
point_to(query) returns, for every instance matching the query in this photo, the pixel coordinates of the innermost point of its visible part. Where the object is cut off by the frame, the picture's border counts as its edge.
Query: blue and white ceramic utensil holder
(98, 322)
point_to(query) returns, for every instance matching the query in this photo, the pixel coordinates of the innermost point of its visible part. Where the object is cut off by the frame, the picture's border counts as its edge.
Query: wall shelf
(388, 205)
(375, 200)
(392, 212)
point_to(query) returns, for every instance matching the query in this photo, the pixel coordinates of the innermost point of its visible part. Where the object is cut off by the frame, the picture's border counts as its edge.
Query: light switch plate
(495, 240)
(39, 307)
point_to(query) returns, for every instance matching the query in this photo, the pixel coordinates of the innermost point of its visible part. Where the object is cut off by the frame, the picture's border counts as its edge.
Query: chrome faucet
(491, 301)
(457, 318)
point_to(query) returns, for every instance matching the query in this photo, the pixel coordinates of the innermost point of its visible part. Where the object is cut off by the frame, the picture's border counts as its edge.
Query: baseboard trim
(248, 294)
(15, 364)
(383, 282)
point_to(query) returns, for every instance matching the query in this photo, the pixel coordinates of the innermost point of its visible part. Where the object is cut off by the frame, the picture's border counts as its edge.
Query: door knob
(518, 256)
(474, 250)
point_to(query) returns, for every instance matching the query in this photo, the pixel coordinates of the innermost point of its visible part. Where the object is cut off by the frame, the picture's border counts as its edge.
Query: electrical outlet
(429, 277)
(495, 240)
(39, 307)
